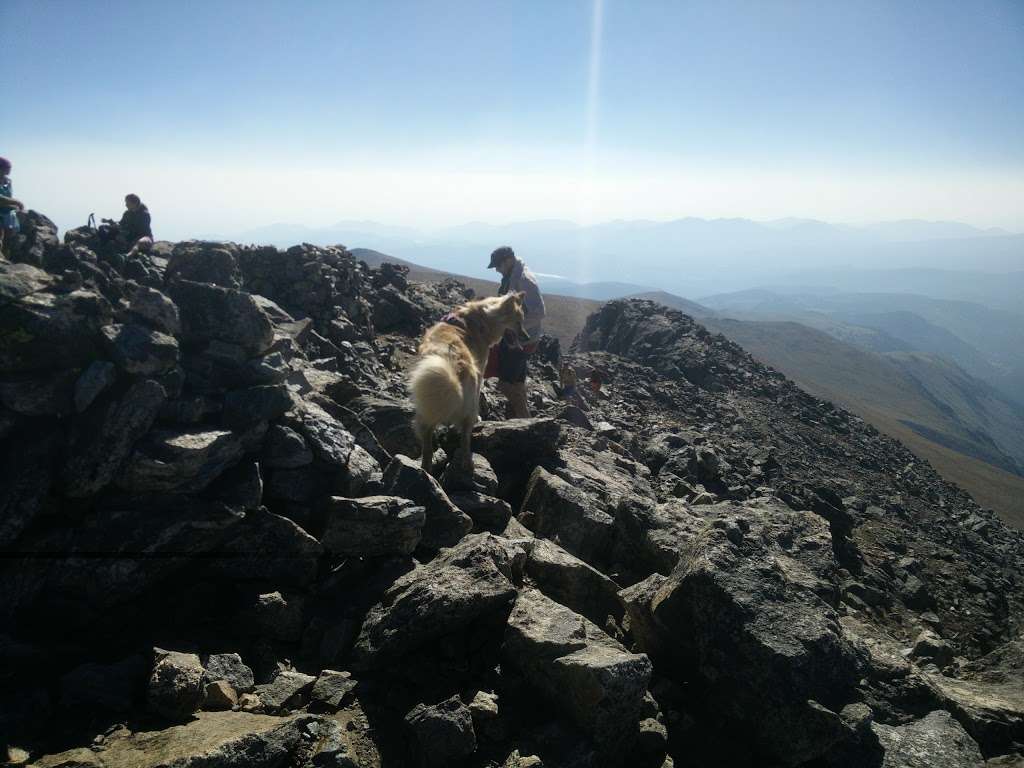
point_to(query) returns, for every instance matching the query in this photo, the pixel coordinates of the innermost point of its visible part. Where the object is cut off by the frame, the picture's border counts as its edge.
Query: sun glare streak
(587, 201)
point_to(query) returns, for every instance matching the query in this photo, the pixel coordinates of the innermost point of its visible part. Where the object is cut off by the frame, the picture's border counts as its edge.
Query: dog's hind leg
(471, 409)
(467, 456)
(425, 433)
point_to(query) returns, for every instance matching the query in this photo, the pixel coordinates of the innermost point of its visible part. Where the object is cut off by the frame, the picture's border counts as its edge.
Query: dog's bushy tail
(436, 390)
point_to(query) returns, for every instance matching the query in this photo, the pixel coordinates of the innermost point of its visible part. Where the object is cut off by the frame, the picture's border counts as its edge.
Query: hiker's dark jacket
(135, 224)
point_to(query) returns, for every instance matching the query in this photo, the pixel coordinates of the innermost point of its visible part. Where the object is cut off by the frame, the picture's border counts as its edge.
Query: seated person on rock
(9, 208)
(134, 227)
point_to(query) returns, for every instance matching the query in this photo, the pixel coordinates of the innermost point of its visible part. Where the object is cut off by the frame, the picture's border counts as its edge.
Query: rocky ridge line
(219, 552)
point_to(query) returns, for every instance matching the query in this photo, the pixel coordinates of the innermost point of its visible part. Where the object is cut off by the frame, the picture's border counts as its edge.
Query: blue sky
(234, 114)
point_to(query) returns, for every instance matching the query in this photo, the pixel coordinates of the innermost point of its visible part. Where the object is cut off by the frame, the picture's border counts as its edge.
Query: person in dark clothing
(509, 360)
(9, 208)
(134, 226)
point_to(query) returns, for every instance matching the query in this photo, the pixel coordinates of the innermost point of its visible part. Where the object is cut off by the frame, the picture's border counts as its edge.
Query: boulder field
(219, 548)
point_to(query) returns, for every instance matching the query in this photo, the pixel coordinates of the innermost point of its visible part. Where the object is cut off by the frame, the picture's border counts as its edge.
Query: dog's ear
(520, 297)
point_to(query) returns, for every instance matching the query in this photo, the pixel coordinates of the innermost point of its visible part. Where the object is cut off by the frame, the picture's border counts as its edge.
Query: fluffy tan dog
(445, 380)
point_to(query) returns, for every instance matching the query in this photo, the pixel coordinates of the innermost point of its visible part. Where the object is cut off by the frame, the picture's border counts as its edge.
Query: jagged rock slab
(571, 582)
(233, 740)
(205, 263)
(445, 523)
(286, 690)
(390, 420)
(229, 667)
(243, 407)
(284, 448)
(330, 442)
(554, 509)
(269, 547)
(331, 689)
(481, 479)
(487, 512)
(651, 537)
(103, 438)
(745, 608)
(935, 741)
(988, 697)
(585, 673)
(372, 526)
(97, 377)
(185, 461)
(461, 585)
(152, 307)
(139, 350)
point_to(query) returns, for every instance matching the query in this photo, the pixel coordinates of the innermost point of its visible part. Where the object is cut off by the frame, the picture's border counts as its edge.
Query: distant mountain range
(987, 343)
(689, 256)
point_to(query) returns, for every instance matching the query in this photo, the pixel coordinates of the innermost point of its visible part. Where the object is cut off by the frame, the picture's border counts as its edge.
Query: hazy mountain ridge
(687, 256)
(988, 343)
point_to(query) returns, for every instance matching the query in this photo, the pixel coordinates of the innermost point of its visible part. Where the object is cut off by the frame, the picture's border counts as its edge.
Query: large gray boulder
(205, 262)
(243, 407)
(372, 526)
(42, 330)
(212, 313)
(749, 608)
(586, 674)
(155, 309)
(651, 536)
(462, 585)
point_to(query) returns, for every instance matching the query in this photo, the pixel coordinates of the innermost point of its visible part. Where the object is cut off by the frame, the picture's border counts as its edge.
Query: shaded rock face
(583, 670)
(745, 607)
(462, 586)
(205, 449)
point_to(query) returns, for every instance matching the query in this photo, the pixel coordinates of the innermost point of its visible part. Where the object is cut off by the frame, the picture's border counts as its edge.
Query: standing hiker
(509, 356)
(9, 208)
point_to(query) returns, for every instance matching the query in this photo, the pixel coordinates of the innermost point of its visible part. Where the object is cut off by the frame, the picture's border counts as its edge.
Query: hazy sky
(227, 115)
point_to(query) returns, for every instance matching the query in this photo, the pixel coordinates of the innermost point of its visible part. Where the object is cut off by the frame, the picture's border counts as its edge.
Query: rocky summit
(220, 549)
